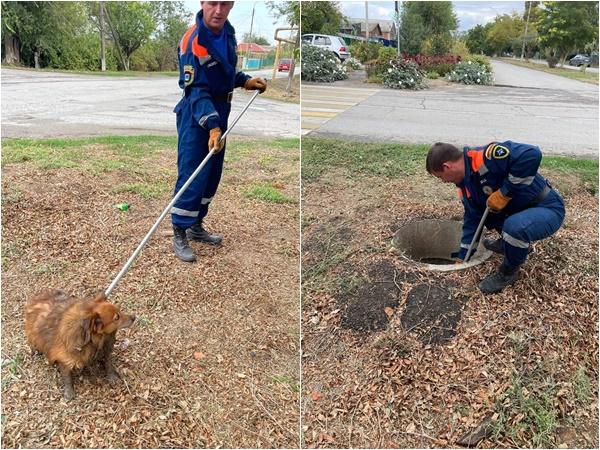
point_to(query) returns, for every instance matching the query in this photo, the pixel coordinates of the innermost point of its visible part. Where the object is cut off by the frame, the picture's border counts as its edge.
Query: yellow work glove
(256, 84)
(213, 140)
(497, 201)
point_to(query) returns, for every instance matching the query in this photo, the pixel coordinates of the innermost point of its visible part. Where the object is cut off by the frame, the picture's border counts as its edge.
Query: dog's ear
(86, 331)
(97, 324)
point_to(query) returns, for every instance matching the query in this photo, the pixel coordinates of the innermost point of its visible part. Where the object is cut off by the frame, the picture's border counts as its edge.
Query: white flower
(469, 62)
(390, 70)
(412, 80)
(478, 74)
(478, 80)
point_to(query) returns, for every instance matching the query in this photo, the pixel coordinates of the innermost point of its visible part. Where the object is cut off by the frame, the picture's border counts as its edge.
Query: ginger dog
(74, 333)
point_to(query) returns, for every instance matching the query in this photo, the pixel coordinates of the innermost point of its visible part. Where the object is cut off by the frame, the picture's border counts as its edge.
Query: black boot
(180, 245)
(496, 246)
(498, 280)
(198, 233)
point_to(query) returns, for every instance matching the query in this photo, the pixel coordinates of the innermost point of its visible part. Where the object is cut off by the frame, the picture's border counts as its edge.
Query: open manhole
(430, 243)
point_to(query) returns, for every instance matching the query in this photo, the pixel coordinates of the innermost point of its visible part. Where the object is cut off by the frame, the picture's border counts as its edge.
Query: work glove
(256, 84)
(213, 140)
(497, 201)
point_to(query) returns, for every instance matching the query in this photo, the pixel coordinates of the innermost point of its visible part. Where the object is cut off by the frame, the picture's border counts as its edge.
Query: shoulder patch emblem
(188, 75)
(500, 152)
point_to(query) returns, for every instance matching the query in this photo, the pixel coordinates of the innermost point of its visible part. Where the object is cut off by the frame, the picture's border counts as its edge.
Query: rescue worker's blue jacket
(207, 78)
(511, 167)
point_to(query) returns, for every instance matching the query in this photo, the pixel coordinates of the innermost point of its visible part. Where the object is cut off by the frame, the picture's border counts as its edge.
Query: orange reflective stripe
(476, 159)
(198, 50)
(185, 39)
(467, 192)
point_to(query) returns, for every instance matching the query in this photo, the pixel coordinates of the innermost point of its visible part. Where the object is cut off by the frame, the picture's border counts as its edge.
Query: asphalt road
(555, 113)
(45, 104)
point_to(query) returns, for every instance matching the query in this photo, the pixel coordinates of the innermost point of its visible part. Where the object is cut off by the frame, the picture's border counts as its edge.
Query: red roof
(254, 48)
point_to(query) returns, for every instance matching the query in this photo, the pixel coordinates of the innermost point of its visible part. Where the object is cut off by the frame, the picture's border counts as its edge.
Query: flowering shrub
(441, 64)
(468, 72)
(480, 59)
(402, 74)
(321, 65)
(353, 63)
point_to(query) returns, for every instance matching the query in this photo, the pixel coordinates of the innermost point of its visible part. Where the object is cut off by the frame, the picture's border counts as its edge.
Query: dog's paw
(113, 376)
(69, 394)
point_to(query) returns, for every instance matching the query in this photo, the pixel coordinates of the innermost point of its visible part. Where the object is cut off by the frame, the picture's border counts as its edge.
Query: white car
(333, 43)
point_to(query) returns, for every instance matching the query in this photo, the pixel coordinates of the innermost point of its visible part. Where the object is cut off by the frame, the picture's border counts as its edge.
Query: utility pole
(525, 35)
(367, 17)
(102, 46)
(397, 7)
(250, 38)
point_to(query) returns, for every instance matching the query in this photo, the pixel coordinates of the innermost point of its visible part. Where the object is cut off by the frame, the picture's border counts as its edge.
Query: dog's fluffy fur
(73, 333)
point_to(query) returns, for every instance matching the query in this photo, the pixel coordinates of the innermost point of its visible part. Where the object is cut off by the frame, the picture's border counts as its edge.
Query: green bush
(352, 63)
(144, 59)
(480, 59)
(386, 53)
(321, 65)
(365, 51)
(468, 72)
(432, 75)
(403, 74)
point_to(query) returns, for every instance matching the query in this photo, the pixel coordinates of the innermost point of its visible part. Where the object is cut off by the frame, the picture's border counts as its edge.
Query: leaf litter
(199, 325)
(501, 356)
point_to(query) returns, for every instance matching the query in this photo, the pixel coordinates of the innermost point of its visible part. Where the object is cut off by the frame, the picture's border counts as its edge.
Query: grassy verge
(277, 89)
(359, 158)
(587, 77)
(108, 73)
(395, 160)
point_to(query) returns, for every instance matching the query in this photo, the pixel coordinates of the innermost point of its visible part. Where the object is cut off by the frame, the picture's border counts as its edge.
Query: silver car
(328, 42)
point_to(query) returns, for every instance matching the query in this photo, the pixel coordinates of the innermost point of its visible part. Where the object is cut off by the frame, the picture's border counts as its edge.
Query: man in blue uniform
(503, 176)
(207, 75)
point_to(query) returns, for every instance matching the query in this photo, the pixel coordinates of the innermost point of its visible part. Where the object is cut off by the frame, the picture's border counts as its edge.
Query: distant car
(328, 42)
(580, 60)
(284, 65)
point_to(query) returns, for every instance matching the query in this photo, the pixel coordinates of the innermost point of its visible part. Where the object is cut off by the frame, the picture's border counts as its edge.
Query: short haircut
(440, 153)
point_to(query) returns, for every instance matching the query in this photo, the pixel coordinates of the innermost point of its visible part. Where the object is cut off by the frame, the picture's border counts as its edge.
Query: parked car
(580, 60)
(333, 43)
(284, 65)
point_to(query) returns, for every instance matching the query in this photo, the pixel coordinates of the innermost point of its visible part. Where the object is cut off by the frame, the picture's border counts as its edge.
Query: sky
(469, 13)
(241, 15)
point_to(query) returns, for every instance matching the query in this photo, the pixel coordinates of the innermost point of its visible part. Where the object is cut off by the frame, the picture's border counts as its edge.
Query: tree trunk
(36, 59)
(288, 89)
(11, 49)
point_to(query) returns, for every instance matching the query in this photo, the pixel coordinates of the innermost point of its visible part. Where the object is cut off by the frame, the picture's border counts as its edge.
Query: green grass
(527, 410)
(587, 77)
(288, 381)
(360, 158)
(59, 153)
(582, 385)
(584, 169)
(144, 190)
(12, 367)
(267, 193)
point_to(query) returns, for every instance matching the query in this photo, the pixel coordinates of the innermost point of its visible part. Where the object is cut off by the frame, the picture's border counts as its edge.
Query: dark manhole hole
(432, 313)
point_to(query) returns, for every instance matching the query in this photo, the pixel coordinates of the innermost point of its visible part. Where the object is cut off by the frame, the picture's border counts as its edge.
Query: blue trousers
(519, 230)
(192, 148)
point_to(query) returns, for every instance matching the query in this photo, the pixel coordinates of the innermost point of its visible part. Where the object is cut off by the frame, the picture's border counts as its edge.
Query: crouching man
(504, 177)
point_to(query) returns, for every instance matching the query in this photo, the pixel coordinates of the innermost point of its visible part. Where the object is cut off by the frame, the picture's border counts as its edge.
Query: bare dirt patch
(212, 360)
(445, 357)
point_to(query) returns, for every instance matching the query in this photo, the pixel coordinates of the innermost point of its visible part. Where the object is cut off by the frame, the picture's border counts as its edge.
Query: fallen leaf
(389, 311)
(316, 396)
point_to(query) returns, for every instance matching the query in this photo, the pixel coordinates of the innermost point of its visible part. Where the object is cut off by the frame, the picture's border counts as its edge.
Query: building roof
(254, 48)
(385, 25)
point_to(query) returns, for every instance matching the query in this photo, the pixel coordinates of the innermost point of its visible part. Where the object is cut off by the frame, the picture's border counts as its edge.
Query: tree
(566, 27)
(427, 25)
(321, 17)
(477, 39)
(260, 40)
(504, 33)
(289, 10)
(131, 24)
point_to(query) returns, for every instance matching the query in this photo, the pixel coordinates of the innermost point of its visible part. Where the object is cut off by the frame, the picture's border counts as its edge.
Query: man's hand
(497, 201)
(256, 84)
(213, 140)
